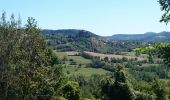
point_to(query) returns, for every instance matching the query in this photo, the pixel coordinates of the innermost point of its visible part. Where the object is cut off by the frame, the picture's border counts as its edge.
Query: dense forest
(79, 65)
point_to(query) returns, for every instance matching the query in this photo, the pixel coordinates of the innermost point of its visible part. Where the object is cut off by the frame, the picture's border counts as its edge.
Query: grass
(148, 65)
(61, 54)
(76, 69)
(91, 71)
(84, 71)
(79, 59)
(133, 54)
(129, 53)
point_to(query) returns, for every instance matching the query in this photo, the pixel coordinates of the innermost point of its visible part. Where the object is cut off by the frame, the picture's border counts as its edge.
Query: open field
(61, 54)
(133, 54)
(79, 59)
(148, 65)
(76, 69)
(114, 56)
(70, 55)
(84, 71)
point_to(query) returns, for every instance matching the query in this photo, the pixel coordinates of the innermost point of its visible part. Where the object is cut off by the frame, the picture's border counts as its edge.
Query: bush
(144, 96)
(71, 91)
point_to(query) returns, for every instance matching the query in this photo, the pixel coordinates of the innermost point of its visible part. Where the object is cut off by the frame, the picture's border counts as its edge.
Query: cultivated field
(76, 69)
(115, 56)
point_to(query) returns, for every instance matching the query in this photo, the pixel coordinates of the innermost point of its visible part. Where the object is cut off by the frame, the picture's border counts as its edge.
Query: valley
(79, 53)
(85, 55)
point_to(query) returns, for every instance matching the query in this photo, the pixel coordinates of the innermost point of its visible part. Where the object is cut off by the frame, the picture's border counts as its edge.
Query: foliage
(165, 6)
(120, 89)
(144, 96)
(71, 91)
(28, 68)
(159, 90)
(163, 51)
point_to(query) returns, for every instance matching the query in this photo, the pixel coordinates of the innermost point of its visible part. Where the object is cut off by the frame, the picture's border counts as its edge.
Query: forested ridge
(81, 40)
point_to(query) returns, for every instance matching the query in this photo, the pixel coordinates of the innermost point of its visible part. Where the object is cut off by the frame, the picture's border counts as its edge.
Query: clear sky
(103, 17)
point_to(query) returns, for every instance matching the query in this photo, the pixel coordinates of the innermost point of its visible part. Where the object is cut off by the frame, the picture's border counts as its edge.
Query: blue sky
(103, 17)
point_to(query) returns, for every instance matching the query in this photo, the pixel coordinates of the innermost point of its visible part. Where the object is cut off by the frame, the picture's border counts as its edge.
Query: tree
(159, 90)
(164, 48)
(161, 50)
(106, 59)
(120, 89)
(150, 58)
(71, 91)
(165, 7)
(28, 69)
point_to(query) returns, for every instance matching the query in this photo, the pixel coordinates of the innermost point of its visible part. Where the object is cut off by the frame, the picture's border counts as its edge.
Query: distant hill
(82, 40)
(71, 33)
(72, 39)
(147, 37)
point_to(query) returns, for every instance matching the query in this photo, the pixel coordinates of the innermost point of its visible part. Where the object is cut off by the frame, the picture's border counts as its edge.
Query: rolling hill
(147, 37)
(74, 33)
(74, 40)
(82, 40)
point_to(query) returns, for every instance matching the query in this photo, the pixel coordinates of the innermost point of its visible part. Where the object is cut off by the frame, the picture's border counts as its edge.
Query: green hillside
(81, 40)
